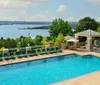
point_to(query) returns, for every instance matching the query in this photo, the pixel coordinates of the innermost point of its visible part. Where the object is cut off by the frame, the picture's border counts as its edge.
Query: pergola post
(89, 43)
(76, 37)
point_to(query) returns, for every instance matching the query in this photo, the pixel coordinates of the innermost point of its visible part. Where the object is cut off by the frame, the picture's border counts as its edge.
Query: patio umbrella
(73, 40)
(68, 37)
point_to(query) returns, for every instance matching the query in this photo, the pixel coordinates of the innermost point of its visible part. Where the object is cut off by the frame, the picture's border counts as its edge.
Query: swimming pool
(49, 70)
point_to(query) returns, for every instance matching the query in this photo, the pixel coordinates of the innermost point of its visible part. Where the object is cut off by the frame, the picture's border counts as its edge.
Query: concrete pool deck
(82, 53)
(89, 79)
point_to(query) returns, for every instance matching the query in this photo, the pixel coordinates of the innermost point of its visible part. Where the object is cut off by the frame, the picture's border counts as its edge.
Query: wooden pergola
(89, 34)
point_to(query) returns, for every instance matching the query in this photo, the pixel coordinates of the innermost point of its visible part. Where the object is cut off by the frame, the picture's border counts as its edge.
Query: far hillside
(73, 24)
(47, 27)
(25, 22)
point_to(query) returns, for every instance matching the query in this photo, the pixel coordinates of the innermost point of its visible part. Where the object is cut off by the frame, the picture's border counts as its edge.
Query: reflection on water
(36, 62)
(61, 58)
(45, 61)
(28, 63)
(87, 57)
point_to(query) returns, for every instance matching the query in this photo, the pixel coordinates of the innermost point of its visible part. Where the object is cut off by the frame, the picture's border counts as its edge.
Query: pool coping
(65, 52)
(38, 59)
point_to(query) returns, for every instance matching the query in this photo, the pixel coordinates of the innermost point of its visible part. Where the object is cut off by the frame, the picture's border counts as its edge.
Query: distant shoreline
(25, 22)
(31, 28)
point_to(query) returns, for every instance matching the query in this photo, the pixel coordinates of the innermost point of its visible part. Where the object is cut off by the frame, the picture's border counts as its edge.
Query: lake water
(12, 31)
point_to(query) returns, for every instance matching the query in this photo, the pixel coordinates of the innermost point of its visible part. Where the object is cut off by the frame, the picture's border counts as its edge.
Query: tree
(98, 29)
(3, 43)
(38, 40)
(59, 39)
(44, 41)
(1, 50)
(26, 41)
(85, 24)
(59, 26)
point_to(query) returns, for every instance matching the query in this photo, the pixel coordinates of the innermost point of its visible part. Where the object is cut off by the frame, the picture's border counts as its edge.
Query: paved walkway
(89, 79)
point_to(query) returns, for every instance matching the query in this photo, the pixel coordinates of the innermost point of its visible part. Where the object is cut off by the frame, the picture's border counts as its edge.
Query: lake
(12, 31)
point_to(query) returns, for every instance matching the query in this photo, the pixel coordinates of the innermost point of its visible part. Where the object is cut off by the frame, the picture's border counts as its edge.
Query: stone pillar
(63, 45)
(89, 43)
(76, 37)
(77, 44)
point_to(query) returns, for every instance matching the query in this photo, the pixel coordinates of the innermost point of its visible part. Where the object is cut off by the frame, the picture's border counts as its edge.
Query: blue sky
(47, 10)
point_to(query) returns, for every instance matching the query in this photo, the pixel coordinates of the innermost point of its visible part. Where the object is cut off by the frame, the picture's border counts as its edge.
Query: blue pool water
(48, 71)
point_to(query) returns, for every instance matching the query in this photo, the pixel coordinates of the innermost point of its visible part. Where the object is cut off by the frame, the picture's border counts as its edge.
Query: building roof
(88, 33)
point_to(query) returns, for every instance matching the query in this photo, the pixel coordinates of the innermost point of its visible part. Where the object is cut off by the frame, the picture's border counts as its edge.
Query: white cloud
(15, 10)
(97, 19)
(18, 3)
(72, 18)
(94, 1)
(61, 8)
(22, 15)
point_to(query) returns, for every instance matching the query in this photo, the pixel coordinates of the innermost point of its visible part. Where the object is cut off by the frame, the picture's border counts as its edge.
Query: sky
(47, 10)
